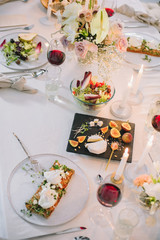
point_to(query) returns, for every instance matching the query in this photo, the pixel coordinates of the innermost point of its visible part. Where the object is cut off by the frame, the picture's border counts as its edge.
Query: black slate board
(79, 119)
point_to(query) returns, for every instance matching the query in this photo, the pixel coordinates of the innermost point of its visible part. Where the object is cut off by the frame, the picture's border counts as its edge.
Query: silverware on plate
(34, 162)
(15, 28)
(69, 230)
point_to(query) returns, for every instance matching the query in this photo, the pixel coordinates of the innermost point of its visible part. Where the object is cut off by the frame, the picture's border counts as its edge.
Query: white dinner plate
(26, 65)
(23, 183)
(138, 59)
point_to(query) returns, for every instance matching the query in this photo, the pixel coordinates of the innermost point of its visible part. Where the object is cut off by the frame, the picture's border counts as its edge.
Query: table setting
(80, 120)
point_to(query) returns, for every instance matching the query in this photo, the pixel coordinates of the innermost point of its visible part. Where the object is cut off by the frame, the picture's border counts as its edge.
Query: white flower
(100, 25)
(71, 31)
(152, 190)
(69, 20)
(72, 9)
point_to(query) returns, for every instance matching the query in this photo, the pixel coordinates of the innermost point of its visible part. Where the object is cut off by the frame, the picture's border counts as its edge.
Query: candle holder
(136, 99)
(121, 111)
(119, 181)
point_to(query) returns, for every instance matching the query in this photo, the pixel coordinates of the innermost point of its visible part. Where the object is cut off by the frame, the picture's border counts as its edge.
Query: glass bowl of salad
(91, 93)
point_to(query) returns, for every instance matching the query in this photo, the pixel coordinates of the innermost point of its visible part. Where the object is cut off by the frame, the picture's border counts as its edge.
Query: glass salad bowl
(92, 93)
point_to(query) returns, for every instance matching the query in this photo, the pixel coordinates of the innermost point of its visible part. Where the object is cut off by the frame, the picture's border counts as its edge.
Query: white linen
(44, 127)
(144, 12)
(15, 83)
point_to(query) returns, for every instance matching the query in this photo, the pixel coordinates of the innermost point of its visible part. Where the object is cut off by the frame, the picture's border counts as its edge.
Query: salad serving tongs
(34, 162)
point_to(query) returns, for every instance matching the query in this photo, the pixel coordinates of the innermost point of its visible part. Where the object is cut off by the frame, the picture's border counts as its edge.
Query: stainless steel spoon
(15, 28)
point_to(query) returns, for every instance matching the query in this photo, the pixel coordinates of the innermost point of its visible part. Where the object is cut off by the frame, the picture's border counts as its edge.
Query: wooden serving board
(80, 119)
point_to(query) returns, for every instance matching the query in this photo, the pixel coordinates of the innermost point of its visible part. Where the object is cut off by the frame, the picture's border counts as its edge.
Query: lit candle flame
(150, 142)
(130, 82)
(126, 150)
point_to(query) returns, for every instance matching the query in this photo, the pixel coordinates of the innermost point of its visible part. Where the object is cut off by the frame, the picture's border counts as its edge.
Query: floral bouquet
(149, 196)
(88, 29)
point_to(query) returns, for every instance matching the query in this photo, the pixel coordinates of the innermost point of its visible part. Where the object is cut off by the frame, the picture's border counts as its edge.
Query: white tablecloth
(44, 127)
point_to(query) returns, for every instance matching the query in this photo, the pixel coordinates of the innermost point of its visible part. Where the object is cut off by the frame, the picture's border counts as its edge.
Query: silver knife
(137, 26)
(69, 230)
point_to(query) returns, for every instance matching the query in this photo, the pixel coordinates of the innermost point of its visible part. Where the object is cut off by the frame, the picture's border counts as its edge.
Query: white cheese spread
(48, 197)
(97, 147)
(54, 176)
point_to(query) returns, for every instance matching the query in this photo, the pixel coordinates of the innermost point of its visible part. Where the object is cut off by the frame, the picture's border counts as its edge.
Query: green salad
(20, 50)
(89, 90)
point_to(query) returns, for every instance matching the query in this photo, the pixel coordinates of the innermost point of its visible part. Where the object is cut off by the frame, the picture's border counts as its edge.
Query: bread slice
(144, 48)
(33, 206)
(28, 37)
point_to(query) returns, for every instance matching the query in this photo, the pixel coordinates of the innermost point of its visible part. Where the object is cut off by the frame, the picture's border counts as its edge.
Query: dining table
(44, 127)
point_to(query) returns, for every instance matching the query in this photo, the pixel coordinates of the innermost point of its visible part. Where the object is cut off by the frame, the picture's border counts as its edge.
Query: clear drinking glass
(53, 82)
(126, 222)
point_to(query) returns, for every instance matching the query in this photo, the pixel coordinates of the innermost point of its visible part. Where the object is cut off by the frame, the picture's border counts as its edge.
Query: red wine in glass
(109, 194)
(156, 122)
(56, 57)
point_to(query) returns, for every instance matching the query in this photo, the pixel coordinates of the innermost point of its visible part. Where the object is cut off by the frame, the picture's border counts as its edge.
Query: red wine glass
(56, 52)
(109, 195)
(153, 118)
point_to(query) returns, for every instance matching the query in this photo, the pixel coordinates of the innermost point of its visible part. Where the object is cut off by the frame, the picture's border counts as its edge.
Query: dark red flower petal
(4, 42)
(109, 11)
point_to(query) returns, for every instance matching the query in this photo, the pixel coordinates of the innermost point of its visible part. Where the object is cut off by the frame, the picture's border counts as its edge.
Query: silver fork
(31, 74)
(15, 28)
(34, 162)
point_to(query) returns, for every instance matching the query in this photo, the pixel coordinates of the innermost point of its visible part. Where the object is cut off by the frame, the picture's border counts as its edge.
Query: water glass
(53, 82)
(126, 222)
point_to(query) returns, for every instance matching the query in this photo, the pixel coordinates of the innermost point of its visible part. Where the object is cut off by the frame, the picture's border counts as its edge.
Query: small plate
(137, 58)
(22, 184)
(26, 65)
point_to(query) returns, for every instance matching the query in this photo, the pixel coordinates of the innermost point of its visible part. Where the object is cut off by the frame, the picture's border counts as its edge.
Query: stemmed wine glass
(56, 52)
(153, 118)
(153, 127)
(109, 194)
(56, 56)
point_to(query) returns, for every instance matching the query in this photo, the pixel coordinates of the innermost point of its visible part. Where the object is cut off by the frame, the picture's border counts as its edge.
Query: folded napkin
(144, 12)
(152, 16)
(17, 83)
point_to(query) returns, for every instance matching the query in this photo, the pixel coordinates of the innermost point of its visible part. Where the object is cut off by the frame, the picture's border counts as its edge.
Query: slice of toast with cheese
(50, 192)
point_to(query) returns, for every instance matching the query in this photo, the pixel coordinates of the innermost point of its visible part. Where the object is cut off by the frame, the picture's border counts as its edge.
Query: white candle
(137, 82)
(146, 149)
(122, 164)
(49, 9)
(127, 93)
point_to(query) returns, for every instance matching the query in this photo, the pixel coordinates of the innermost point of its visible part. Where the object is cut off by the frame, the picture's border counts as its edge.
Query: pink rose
(81, 49)
(122, 44)
(115, 31)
